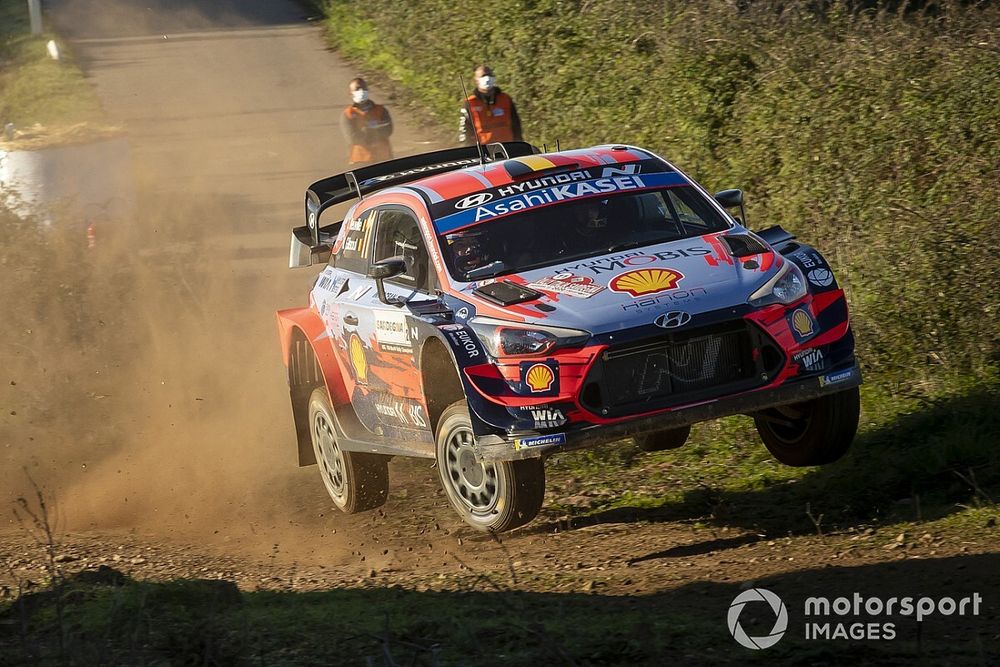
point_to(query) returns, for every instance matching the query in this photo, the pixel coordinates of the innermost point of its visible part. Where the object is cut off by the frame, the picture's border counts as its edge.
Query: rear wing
(365, 180)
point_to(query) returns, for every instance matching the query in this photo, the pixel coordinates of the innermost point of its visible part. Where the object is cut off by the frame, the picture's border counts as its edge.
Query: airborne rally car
(488, 311)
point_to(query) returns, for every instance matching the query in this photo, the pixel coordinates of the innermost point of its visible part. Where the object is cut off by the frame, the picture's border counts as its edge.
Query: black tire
(659, 441)
(356, 481)
(814, 432)
(491, 497)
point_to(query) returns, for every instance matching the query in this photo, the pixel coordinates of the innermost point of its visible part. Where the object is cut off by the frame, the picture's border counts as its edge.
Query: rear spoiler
(366, 180)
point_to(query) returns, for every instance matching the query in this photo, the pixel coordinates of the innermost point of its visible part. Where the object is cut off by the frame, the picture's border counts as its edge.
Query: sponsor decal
(539, 378)
(809, 259)
(820, 277)
(356, 225)
(672, 320)
(620, 170)
(451, 327)
(544, 182)
(391, 332)
(646, 281)
(546, 417)
(836, 378)
(540, 440)
(810, 360)
(405, 413)
(574, 189)
(669, 298)
(462, 339)
(359, 292)
(802, 324)
(633, 259)
(477, 199)
(420, 170)
(569, 284)
(463, 313)
(359, 362)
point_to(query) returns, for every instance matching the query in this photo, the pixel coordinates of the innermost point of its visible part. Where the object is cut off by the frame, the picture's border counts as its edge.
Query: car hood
(631, 288)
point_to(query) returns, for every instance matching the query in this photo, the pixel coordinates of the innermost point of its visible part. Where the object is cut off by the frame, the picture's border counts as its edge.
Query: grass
(40, 96)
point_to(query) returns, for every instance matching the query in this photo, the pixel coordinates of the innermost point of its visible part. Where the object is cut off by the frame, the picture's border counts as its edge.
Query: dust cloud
(142, 385)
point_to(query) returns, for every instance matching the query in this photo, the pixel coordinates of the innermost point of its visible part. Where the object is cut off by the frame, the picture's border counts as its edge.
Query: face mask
(487, 82)
(360, 95)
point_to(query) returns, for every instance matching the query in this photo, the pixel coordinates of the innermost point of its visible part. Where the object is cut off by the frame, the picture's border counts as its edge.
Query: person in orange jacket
(366, 127)
(493, 114)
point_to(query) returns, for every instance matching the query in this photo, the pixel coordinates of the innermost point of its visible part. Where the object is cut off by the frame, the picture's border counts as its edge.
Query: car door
(397, 394)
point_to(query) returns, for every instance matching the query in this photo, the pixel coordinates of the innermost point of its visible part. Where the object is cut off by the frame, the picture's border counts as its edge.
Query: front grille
(680, 368)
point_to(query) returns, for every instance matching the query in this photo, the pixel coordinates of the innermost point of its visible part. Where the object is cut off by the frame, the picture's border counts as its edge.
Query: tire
(659, 441)
(356, 481)
(812, 433)
(490, 497)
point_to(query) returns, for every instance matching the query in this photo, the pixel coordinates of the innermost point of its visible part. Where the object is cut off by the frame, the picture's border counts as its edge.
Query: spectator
(366, 127)
(494, 116)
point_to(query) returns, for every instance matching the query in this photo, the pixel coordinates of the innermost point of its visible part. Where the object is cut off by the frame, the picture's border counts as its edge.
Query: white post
(35, 12)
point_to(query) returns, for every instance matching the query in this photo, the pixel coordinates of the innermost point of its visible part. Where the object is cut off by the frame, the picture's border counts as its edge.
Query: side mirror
(732, 199)
(383, 269)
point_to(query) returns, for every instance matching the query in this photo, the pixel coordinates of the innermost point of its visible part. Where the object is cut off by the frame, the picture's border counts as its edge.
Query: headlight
(502, 338)
(787, 286)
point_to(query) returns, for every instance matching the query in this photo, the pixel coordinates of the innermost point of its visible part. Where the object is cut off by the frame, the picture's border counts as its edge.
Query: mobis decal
(646, 281)
(568, 284)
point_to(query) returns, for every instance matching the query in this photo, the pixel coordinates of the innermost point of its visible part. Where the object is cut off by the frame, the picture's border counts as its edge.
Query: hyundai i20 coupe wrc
(487, 308)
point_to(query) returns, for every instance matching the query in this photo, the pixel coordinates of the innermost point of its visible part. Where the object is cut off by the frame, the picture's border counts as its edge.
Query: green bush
(870, 134)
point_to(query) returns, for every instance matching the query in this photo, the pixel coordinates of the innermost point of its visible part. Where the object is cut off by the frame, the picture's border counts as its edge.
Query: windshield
(578, 229)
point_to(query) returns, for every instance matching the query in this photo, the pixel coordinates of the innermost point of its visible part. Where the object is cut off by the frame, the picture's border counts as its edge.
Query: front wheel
(811, 433)
(356, 481)
(493, 497)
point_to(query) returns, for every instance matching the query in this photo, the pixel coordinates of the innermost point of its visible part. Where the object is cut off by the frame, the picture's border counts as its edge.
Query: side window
(357, 239)
(693, 212)
(399, 236)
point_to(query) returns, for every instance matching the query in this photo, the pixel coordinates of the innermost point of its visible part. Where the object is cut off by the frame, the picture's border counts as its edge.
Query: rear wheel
(494, 497)
(661, 440)
(811, 433)
(355, 481)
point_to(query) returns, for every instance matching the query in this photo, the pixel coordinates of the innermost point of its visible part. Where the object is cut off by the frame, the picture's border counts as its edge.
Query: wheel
(355, 481)
(661, 440)
(492, 497)
(811, 433)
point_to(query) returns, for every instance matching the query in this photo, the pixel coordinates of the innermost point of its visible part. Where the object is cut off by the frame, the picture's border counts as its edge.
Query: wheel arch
(440, 382)
(308, 356)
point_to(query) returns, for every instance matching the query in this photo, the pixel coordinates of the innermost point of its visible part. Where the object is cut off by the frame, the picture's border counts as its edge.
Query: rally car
(486, 308)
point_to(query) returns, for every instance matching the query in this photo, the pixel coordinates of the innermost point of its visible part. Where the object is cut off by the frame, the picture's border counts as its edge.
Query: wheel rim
(474, 483)
(789, 423)
(330, 457)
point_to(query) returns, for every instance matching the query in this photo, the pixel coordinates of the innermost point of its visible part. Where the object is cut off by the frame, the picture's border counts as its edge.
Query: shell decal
(802, 323)
(646, 281)
(539, 378)
(358, 361)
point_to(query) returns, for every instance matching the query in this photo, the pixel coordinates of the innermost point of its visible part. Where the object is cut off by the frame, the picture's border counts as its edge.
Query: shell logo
(802, 323)
(646, 281)
(539, 378)
(358, 360)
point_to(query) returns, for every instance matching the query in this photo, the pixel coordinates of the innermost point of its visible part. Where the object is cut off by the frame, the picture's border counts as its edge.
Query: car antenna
(468, 109)
(557, 146)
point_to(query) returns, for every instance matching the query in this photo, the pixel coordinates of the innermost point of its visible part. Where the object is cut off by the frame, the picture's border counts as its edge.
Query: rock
(139, 560)
(66, 558)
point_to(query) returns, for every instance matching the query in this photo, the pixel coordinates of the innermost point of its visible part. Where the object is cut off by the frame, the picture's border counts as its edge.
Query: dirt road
(156, 420)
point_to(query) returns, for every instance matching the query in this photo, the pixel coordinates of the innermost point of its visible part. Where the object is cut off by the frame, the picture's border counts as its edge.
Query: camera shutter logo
(780, 623)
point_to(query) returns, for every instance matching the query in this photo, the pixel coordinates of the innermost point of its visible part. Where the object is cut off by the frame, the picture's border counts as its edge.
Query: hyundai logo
(477, 199)
(672, 320)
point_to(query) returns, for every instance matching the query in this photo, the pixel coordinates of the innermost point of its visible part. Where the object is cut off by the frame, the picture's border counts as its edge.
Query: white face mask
(487, 82)
(360, 95)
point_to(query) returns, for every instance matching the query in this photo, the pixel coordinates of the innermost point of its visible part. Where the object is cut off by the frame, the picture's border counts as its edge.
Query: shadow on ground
(107, 618)
(921, 466)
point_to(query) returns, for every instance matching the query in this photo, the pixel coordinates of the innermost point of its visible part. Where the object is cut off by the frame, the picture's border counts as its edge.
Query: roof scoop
(744, 245)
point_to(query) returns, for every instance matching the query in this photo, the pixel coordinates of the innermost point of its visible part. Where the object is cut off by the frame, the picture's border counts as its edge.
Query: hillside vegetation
(872, 135)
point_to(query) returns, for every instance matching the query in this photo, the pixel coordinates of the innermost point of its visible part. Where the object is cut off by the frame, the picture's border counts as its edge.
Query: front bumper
(496, 448)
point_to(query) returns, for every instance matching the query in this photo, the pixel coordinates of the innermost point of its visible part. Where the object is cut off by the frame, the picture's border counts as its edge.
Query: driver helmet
(468, 250)
(592, 217)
